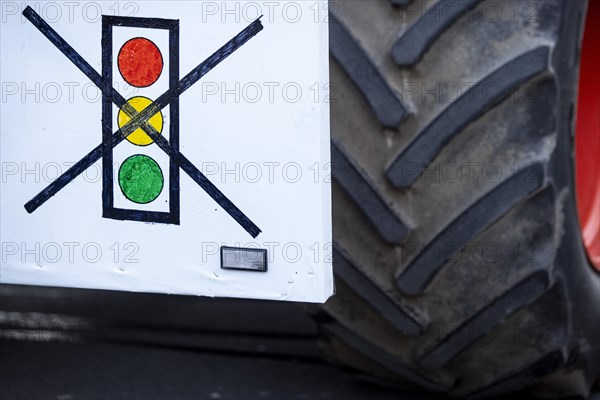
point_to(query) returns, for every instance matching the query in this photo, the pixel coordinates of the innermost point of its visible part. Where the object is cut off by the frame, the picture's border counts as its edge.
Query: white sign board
(169, 147)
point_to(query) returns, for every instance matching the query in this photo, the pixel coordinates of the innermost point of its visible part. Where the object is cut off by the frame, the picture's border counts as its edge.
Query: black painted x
(140, 120)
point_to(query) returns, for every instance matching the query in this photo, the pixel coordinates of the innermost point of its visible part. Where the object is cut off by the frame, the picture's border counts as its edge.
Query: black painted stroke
(174, 184)
(107, 111)
(141, 118)
(139, 215)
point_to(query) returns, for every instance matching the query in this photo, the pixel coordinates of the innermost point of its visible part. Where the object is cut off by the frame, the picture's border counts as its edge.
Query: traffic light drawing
(140, 178)
(140, 63)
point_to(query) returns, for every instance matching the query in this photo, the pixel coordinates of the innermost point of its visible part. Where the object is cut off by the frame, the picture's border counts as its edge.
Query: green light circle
(141, 179)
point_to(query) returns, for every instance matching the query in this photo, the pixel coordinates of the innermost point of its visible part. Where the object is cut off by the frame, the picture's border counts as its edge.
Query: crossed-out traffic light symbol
(134, 117)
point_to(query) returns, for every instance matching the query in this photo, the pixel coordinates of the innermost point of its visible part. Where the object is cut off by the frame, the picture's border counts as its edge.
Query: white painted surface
(268, 152)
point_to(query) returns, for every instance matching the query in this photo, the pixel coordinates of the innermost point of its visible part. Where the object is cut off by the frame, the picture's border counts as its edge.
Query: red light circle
(140, 62)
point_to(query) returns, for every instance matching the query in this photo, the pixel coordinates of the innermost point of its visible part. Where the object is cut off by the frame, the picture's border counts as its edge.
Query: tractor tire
(457, 251)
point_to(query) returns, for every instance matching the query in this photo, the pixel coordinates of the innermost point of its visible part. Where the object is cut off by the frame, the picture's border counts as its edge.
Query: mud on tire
(459, 262)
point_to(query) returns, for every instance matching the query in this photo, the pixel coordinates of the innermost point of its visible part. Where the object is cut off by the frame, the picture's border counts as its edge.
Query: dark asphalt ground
(71, 344)
(117, 371)
(66, 344)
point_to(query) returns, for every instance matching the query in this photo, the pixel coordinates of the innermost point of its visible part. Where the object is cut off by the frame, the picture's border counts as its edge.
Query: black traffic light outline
(108, 208)
(140, 119)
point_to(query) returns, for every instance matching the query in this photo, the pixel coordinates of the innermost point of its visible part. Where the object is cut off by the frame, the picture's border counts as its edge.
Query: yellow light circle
(139, 137)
